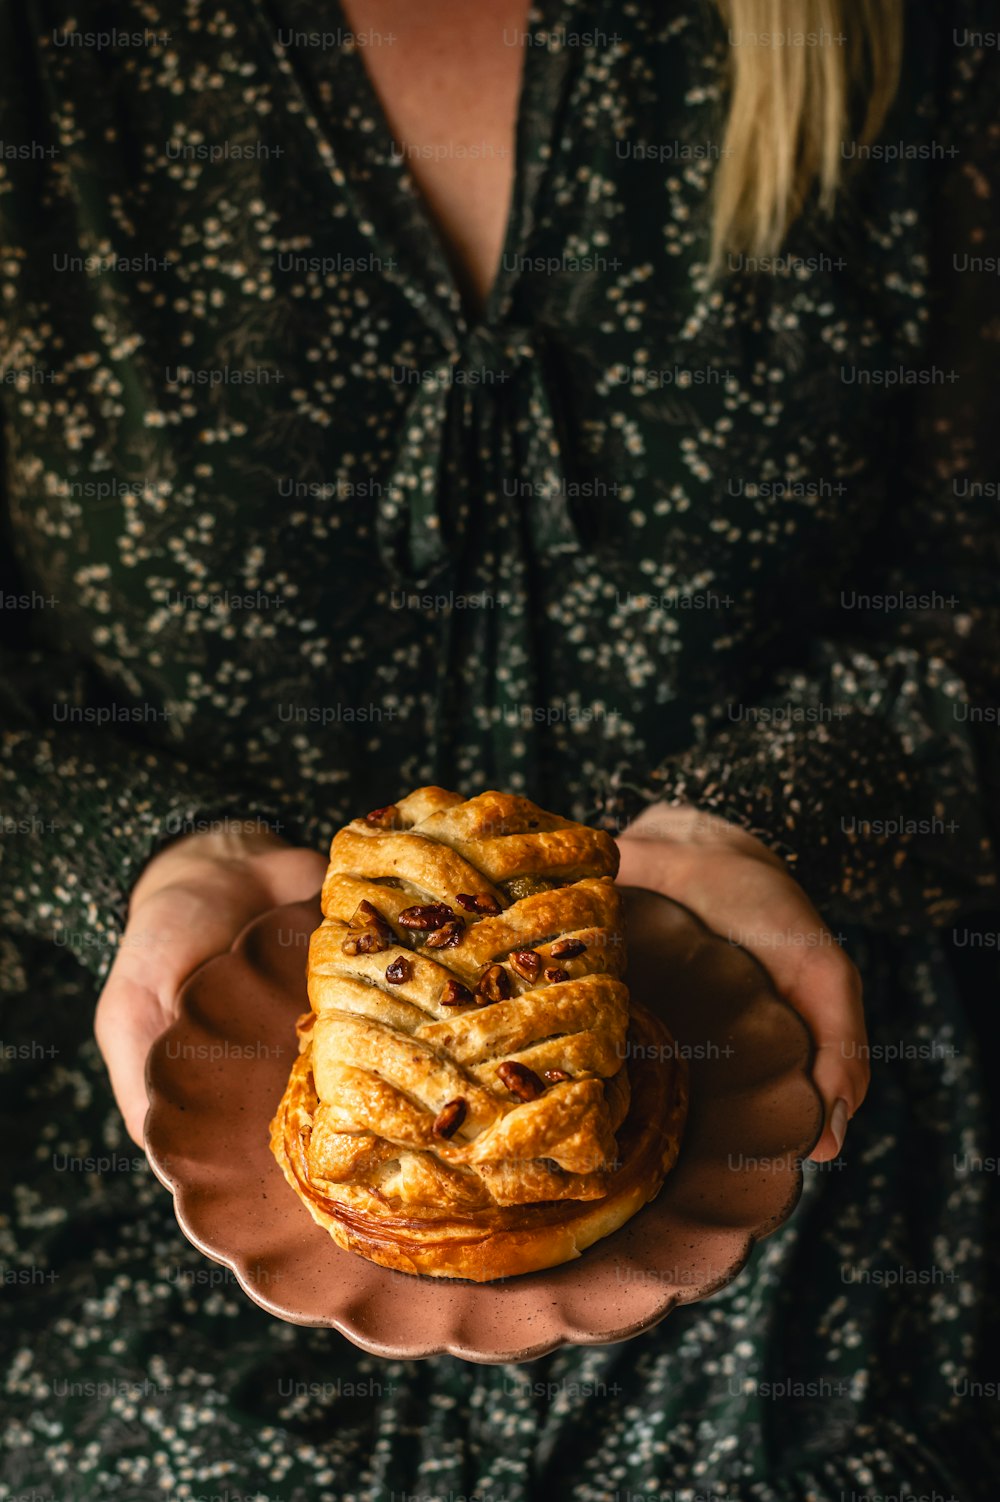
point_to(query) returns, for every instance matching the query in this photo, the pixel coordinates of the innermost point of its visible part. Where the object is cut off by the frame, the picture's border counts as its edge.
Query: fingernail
(838, 1122)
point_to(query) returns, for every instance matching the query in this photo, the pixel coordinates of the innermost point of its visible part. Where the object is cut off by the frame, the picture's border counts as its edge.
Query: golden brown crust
(462, 1074)
(503, 1242)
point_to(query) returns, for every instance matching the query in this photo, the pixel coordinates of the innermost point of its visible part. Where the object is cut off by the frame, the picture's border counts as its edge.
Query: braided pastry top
(469, 1022)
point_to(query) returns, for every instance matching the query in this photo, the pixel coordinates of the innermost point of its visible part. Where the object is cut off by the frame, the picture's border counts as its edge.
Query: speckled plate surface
(216, 1076)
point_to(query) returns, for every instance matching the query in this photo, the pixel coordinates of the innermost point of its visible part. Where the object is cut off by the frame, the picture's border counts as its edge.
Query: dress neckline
(377, 177)
(379, 105)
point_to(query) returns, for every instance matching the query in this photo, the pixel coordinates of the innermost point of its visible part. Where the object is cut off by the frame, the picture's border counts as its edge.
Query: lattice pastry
(460, 1105)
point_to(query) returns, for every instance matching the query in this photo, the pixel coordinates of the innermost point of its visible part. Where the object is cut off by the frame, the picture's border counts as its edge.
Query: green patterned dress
(287, 531)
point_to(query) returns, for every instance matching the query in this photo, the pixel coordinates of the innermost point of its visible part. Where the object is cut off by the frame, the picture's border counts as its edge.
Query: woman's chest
(447, 77)
(256, 349)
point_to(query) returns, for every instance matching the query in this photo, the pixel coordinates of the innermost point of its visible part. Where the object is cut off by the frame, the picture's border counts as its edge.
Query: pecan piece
(479, 902)
(494, 985)
(447, 937)
(553, 974)
(520, 1080)
(384, 818)
(366, 942)
(426, 915)
(449, 1118)
(527, 963)
(456, 995)
(367, 916)
(567, 949)
(555, 1076)
(370, 932)
(400, 971)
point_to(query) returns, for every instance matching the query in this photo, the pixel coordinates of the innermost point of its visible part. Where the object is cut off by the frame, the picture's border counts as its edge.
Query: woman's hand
(189, 904)
(744, 892)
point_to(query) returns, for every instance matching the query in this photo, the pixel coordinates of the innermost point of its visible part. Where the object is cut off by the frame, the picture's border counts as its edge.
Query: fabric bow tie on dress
(500, 389)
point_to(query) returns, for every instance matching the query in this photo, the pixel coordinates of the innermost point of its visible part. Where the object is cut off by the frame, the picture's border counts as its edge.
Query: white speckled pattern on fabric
(652, 586)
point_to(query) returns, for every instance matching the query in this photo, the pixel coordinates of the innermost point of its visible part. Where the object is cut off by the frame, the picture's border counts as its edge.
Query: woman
(583, 402)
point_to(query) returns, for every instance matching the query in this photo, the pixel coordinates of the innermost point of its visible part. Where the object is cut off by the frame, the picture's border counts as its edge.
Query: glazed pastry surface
(463, 1073)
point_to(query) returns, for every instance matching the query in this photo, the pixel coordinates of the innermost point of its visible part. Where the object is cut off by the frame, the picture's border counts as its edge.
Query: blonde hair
(792, 103)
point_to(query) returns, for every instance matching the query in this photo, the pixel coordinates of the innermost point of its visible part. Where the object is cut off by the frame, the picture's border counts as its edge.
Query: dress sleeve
(874, 769)
(84, 801)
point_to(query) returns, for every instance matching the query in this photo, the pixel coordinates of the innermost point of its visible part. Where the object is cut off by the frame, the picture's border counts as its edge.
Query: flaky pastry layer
(464, 1077)
(502, 1242)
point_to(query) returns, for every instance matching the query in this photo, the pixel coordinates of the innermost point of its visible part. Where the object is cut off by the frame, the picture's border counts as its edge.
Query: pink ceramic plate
(216, 1076)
